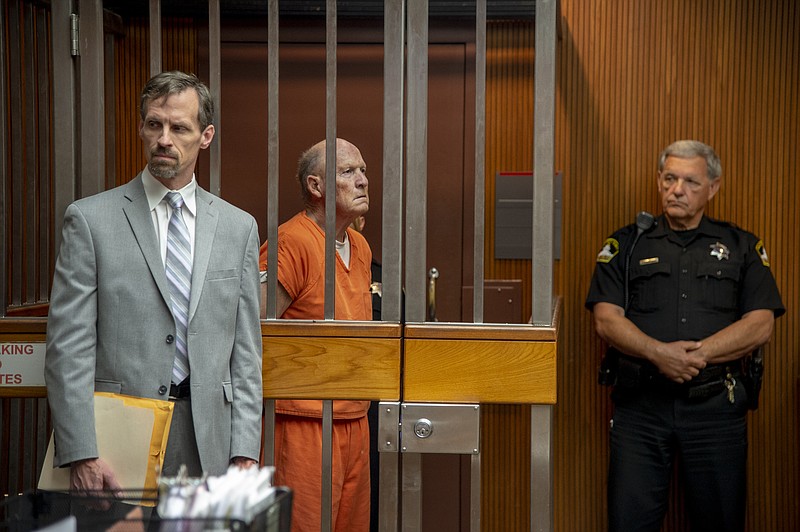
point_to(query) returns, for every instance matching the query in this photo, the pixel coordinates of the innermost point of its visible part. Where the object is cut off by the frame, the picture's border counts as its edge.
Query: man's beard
(163, 170)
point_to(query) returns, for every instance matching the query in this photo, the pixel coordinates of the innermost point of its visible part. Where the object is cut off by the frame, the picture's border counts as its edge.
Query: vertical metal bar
(4, 484)
(13, 446)
(273, 143)
(4, 174)
(269, 432)
(330, 248)
(392, 229)
(45, 167)
(65, 134)
(541, 468)
(15, 131)
(475, 488)
(155, 37)
(92, 117)
(480, 160)
(542, 242)
(389, 453)
(330, 158)
(412, 492)
(543, 155)
(29, 142)
(417, 161)
(388, 494)
(111, 118)
(214, 87)
(327, 465)
(28, 451)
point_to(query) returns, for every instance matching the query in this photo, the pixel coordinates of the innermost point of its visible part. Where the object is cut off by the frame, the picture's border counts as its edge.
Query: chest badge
(720, 251)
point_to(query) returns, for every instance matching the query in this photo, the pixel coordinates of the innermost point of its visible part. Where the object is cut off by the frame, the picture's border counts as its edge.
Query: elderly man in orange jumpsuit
(300, 295)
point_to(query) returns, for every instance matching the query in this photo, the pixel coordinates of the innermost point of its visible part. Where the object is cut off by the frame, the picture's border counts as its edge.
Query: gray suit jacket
(110, 320)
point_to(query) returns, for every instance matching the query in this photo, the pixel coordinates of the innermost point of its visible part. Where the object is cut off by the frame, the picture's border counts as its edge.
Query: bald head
(312, 165)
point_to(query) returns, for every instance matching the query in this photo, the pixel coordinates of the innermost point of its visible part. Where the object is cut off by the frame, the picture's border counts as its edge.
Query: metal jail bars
(400, 360)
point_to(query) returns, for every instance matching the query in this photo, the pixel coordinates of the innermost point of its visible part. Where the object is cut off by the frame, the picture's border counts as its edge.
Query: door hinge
(74, 35)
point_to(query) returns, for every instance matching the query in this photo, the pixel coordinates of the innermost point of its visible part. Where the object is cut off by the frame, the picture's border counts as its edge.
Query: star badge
(720, 251)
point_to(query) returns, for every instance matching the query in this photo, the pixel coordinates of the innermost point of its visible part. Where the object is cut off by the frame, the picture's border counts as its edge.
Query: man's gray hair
(686, 149)
(311, 162)
(175, 82)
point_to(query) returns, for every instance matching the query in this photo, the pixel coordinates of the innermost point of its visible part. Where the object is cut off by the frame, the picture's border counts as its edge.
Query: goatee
(162, 171)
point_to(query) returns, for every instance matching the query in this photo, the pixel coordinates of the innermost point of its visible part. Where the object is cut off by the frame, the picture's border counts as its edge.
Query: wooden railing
(24, 416)
(334, 360)
(440, 363)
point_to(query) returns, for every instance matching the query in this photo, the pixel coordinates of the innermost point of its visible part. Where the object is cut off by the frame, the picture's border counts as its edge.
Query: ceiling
(437, 9)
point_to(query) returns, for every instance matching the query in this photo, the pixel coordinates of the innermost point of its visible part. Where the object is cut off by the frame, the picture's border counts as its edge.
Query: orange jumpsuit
(298, 427)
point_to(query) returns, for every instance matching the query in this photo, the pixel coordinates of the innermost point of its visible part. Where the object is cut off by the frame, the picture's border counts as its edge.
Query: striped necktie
(179, 277)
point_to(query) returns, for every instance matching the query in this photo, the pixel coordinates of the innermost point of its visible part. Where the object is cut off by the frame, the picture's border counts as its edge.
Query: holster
(752, 373)
(607, 374)
(618, 370)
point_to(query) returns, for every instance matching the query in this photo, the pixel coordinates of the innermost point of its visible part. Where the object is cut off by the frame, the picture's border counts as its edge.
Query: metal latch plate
(440, 428)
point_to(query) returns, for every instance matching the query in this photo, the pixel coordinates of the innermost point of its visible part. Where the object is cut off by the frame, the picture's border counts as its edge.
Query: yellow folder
(132, 437)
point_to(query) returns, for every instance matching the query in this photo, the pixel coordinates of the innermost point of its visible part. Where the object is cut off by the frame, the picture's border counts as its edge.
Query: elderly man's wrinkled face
(352, 197)
(685, 190)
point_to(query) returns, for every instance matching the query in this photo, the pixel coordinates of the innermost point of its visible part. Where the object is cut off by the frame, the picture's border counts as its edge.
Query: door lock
(423, 428)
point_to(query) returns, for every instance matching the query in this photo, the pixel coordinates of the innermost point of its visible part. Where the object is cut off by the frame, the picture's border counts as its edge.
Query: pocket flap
(648, 270)
(227, 390)
(723, 270)
(221, 274)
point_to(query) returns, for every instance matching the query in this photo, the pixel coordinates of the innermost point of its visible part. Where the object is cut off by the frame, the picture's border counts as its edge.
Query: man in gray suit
(157, 295)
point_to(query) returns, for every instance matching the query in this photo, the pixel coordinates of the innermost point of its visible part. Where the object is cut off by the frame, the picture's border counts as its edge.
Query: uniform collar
(707, 227)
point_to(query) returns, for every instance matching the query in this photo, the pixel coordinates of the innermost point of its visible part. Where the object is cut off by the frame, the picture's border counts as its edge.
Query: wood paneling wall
(506, 429)
(632, 77)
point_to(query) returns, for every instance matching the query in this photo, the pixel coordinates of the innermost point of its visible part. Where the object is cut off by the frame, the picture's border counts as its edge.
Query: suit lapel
(141, 222)
(205, 229)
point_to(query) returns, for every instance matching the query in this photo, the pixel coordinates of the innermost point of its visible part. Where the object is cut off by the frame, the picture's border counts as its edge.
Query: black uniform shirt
(685, 287)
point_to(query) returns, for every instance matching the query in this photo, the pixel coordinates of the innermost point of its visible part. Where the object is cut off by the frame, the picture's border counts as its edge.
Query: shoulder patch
(609, 251)
(762, 253)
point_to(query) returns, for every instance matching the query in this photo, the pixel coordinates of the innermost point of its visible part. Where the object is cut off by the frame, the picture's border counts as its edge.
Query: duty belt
(632, 373)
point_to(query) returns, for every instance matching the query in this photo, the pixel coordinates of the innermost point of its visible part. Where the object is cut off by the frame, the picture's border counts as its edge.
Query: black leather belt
(179, 391)
(719, 371)
(635, 373)
(709, 382)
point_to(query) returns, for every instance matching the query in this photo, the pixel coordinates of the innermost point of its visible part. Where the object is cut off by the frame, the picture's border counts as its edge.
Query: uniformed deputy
(681, 300)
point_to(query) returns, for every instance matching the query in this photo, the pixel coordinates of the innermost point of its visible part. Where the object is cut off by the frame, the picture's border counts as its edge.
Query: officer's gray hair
(686, 149)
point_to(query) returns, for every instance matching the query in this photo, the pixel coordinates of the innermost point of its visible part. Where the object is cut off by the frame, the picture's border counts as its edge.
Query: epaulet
(723, 223)
(624, 230)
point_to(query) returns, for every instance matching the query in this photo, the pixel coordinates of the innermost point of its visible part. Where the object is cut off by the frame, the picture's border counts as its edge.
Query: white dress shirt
(161, 212)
